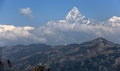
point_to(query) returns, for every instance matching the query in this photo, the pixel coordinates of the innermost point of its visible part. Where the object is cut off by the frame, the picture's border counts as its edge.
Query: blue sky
(47, 10)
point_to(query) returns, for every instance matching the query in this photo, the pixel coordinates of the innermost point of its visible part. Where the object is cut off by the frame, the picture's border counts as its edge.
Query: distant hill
(95, 55)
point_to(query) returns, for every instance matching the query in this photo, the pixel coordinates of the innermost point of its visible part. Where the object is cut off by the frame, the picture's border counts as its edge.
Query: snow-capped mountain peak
(74, 16)
(114, 21)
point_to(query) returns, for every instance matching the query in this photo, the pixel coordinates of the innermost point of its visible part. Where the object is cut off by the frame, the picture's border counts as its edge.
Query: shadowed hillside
(95, 55)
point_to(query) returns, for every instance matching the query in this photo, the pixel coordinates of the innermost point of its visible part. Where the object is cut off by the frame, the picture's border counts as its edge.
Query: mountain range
(94, 55)
(76, 17)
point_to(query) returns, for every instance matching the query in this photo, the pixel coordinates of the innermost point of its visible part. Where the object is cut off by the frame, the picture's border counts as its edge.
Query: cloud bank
(77, 30)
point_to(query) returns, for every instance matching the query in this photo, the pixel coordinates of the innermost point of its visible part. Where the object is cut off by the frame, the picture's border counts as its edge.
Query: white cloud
(13, 35)
(6, 28)
(26, 12)
(57, 33)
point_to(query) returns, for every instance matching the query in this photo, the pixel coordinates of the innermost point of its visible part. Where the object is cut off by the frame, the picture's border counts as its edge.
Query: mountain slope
(95, 55)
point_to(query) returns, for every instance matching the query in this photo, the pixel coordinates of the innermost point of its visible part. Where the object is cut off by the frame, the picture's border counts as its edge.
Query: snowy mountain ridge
(74, 16)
